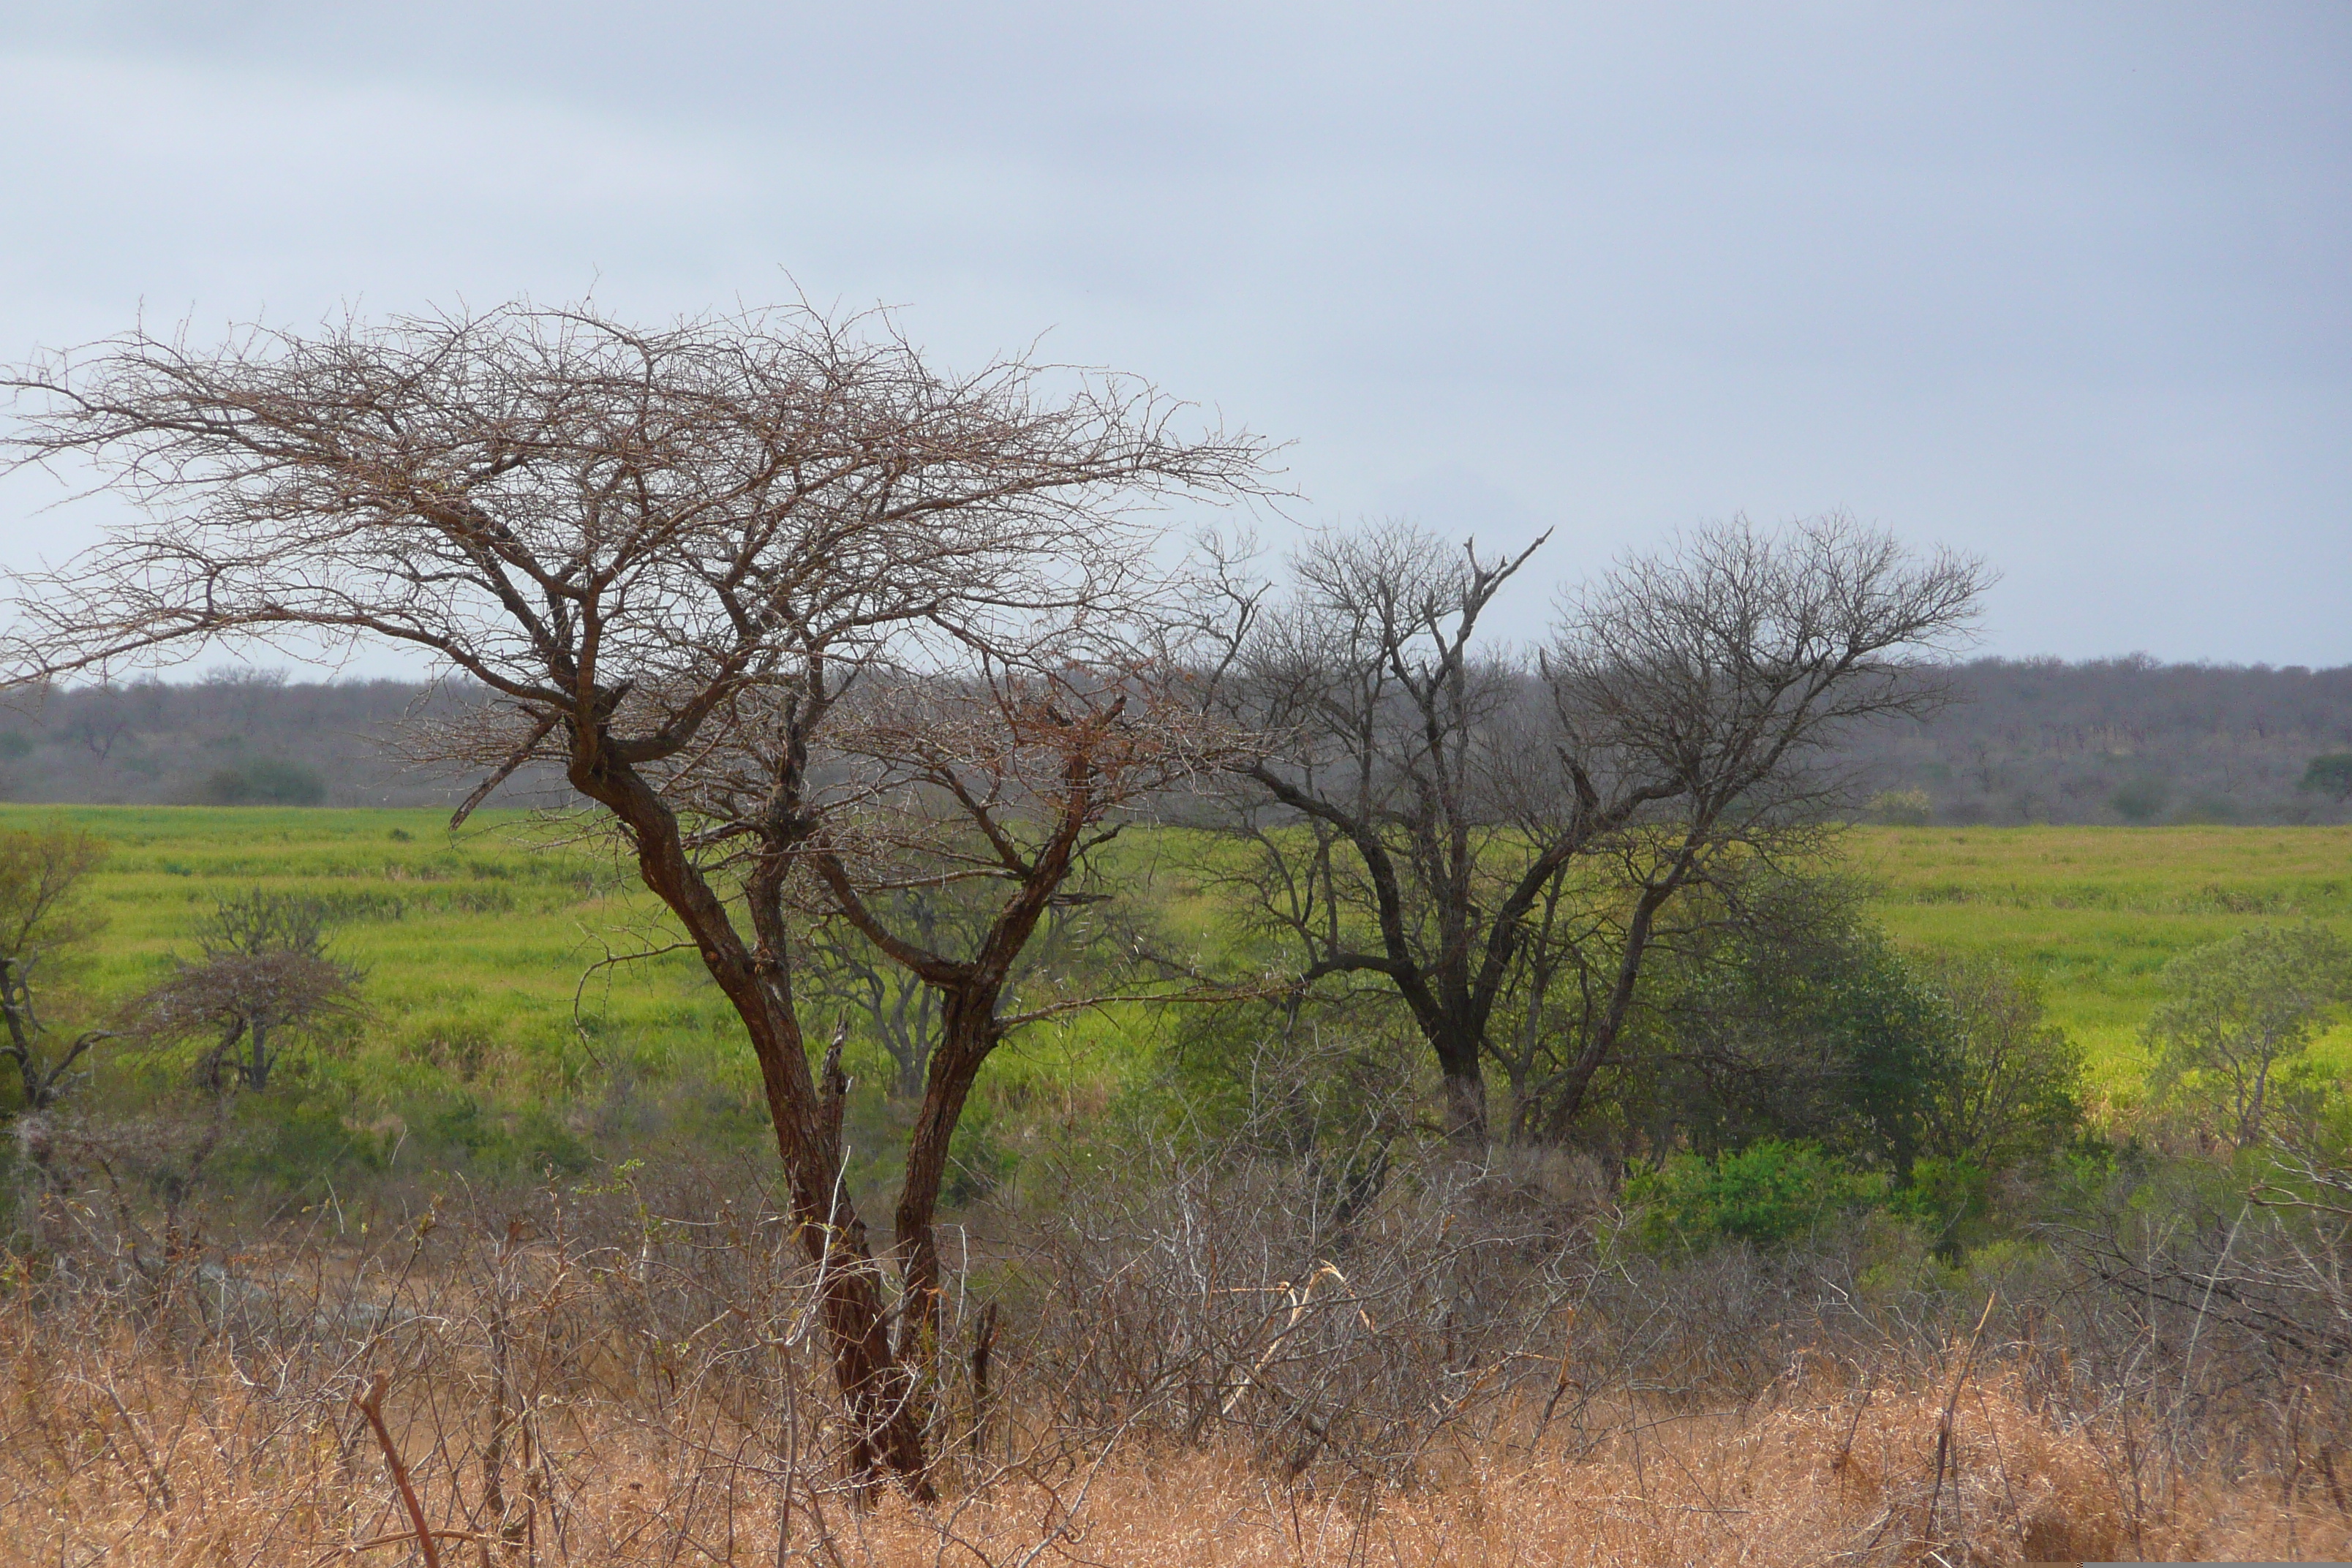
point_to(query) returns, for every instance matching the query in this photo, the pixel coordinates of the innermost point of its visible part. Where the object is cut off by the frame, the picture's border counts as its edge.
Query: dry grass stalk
(659, 1396)
(252, 1487)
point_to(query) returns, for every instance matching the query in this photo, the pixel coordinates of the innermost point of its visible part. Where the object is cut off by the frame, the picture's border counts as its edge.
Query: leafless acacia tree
(264, 975)
(1431, 804)
(652, 549)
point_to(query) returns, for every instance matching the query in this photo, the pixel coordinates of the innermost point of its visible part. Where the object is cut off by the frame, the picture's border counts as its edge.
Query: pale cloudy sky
(2069, 285)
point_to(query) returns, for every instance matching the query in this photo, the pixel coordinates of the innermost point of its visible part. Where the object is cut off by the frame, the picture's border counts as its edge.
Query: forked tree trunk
(969, 991)
(877, 1387)
(968, 1033)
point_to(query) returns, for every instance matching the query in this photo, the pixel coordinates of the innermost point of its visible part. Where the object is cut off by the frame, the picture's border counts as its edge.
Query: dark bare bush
(1219, 1294)
(1485, 834)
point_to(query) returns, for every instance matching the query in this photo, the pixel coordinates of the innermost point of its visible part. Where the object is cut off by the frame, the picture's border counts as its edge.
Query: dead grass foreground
(142, 1458)
(1212, 1366)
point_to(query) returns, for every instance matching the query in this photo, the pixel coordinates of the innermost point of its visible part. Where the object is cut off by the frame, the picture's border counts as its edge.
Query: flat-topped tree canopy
(595, 522)
(666, 556)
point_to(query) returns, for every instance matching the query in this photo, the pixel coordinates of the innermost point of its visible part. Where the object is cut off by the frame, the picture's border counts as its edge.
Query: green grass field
(487, 1003)
(476, 940)
(2098, 912)
(476, 944)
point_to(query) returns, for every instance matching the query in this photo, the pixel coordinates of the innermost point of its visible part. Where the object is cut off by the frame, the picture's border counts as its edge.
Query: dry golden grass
(110, 1454)
(573, 1380)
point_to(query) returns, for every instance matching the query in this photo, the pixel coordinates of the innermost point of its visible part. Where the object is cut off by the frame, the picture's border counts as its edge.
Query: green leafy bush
(1951, 1200)
(1768, 1193)
(263, 781)
(1793, 1018)
(2330, 775)
(2000, 1087)
(2141, 799)
(2239, 1011)
(1902, 807)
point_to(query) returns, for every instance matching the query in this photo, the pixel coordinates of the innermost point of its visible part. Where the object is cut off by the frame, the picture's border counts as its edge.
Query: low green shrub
(1769, 1192)
(262, 780)
(1951, 1200)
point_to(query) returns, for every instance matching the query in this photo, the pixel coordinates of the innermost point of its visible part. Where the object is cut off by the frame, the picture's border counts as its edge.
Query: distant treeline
(233, 738)
(2119, 740)
(2114, 739)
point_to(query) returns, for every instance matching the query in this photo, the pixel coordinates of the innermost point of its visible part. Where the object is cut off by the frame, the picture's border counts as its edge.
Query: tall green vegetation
(43, 910)
(1806, 1023)
(1792, 1048)
(2238, 1014)
(2002, 1088)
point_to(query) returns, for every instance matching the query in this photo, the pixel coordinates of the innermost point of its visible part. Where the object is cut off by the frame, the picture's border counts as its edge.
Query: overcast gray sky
(2067, 285)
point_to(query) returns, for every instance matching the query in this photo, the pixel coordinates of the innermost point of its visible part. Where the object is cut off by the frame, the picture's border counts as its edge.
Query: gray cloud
(2064, 286)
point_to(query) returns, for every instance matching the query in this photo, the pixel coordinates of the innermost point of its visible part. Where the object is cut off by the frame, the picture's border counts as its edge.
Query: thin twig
(371, 1405)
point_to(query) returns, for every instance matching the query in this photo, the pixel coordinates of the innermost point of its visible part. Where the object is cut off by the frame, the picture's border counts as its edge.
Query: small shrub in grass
(263, 781)
(2139, 800)
(1902, 807)
(1949, 1199)
(531, 1140)
(2330, 775)
(1768, 1193)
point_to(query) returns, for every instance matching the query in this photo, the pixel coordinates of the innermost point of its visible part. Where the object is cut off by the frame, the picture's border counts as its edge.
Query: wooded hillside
(2106, 741)
(2120, 740)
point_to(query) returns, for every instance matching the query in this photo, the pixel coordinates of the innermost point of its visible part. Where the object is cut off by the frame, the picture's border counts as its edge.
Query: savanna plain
(497, 1271)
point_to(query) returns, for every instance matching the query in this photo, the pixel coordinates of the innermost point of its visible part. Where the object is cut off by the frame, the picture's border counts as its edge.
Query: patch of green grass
(475, 945)
(484, 932)
(2098, 912)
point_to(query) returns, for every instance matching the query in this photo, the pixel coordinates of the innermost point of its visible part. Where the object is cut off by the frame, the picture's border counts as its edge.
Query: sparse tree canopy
(41, 910)
(664, 555)
(265, 975)
(1429, 805)
(2239, 1009)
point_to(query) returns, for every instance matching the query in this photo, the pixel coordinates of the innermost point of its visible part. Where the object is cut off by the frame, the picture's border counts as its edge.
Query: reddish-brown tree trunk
(968, 1033)
(876, 1385)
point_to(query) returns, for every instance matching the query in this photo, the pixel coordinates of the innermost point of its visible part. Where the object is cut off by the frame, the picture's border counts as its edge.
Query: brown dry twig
(371, 1404)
